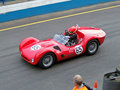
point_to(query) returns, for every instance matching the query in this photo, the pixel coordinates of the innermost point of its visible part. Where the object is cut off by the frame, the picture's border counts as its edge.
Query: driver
(71, 32)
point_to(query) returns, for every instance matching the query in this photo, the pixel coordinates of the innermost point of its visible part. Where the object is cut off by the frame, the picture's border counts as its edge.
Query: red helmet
(72, 30)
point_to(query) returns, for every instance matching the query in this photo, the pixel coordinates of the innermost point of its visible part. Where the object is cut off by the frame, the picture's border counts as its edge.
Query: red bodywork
(84, 34)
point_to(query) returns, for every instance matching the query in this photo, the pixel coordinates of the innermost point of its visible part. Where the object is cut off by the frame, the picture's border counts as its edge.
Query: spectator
(79, 85)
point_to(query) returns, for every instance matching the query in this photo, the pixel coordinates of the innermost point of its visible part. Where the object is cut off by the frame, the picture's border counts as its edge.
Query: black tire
(48, 63)
(92, 47)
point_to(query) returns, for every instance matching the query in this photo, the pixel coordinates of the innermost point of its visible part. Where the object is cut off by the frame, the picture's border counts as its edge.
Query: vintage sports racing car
(46, 52)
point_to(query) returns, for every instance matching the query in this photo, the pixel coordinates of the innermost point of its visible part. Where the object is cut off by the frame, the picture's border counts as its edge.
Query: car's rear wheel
(92, 47)
(47, 60)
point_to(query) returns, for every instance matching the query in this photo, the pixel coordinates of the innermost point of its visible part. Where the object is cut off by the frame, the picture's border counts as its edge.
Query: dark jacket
(89, 88)
(73, 37)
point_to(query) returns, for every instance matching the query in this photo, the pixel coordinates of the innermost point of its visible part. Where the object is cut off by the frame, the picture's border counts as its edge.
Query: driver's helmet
(72, 30)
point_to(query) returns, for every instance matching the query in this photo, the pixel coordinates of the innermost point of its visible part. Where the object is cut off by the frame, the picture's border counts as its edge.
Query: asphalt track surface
(16, 74)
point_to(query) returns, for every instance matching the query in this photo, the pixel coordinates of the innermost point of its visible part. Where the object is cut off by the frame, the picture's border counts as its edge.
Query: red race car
(46, 52)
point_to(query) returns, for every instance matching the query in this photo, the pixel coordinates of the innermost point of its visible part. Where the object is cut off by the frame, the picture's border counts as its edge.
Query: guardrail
(39, 7)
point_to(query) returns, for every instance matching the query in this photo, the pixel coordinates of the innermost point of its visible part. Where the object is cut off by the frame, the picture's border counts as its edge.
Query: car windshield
(61, 38)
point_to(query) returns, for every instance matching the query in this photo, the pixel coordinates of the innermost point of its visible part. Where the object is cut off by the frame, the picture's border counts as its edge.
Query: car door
(74, 50)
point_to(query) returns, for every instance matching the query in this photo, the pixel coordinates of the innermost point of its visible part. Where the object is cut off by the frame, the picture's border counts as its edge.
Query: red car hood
(30, 51)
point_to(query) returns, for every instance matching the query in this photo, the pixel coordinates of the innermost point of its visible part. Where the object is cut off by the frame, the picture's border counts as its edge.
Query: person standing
(79, 85)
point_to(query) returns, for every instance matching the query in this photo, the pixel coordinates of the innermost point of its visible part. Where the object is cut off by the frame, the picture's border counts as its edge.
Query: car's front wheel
(47, 60)
(92, 47)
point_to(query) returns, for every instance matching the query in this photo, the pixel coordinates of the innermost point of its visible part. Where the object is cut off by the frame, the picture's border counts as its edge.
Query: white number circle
(78, 49)
(35, 47)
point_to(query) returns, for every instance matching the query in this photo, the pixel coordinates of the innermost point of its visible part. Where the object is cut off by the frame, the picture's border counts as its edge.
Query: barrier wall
(11, 12)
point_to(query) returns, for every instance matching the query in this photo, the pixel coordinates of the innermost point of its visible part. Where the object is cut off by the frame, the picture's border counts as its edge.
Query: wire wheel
(47, 60)
(92, 47)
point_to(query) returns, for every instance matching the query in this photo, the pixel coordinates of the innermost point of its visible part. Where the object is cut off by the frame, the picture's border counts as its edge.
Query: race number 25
(78, 49)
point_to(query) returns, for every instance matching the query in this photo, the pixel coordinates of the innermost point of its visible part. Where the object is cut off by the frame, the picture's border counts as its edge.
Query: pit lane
(16, 74)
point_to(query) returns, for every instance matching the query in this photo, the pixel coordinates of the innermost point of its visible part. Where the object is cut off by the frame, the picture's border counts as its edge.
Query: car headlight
(32, 60)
